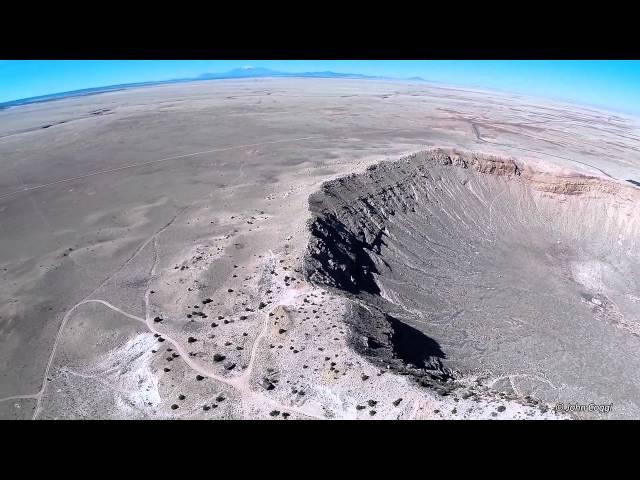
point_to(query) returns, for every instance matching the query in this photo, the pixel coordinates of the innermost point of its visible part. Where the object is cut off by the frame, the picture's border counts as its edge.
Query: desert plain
(318, 249)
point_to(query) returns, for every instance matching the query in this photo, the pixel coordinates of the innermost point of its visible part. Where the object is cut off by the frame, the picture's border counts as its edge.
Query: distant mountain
(251, 72)
(240, 73)
(328, 74)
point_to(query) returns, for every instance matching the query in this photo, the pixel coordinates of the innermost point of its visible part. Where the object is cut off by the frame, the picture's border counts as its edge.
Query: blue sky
(613, 85)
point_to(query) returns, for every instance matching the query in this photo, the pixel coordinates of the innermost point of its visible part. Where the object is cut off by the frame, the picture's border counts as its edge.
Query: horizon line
(61, 95)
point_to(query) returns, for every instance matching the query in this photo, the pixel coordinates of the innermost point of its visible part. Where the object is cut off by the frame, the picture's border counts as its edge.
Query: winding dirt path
(65, 319)
(240, 383)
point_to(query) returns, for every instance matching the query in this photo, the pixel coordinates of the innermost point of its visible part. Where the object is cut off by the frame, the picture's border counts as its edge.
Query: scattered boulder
(157, 319)
(199, 378)
(397, 402)
(266, 384)
(192, 339)
(218, 357)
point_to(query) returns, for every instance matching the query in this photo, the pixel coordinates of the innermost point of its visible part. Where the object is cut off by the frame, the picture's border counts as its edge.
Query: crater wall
(461, 264)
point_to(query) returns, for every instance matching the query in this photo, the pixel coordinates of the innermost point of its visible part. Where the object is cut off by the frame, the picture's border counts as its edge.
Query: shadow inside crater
(414, 347)
(345, 256)
(345, 252)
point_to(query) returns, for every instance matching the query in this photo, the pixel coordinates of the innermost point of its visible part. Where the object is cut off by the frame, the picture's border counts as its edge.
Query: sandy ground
(152, 243)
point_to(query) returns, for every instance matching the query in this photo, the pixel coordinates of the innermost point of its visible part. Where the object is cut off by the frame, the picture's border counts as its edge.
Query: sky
(608, 84)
